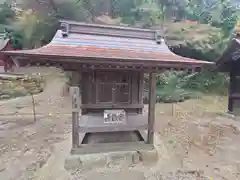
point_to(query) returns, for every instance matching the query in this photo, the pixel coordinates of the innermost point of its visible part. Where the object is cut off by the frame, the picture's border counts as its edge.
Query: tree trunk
(111, 10)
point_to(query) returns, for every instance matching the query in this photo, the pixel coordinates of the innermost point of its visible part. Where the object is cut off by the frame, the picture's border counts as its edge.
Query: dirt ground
(26, 145)
(199, 140)
(193, 138)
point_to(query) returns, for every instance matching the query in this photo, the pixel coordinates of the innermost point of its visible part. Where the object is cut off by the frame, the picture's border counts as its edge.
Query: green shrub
(12, 88)
(181, 86)
(16, 92)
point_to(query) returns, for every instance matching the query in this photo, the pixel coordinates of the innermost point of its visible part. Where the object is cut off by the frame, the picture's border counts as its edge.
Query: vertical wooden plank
(74, 90)
(134, 87)
(97, 87)
(75, 115)
(230, 92)
(114, 95)
(151, 107)
(93, 84)
(141, 88)
(89, 87)
(75, 94)
(129, 84)
(75, 133)
(83, 88)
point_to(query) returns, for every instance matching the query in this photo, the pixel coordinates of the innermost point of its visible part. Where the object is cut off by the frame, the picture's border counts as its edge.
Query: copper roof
(79, 45)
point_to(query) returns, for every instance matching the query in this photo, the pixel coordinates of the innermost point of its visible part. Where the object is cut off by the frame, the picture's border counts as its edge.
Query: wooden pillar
(75, 94)
(230, 91)
(151, 107)
(141, 88)
(141, 91)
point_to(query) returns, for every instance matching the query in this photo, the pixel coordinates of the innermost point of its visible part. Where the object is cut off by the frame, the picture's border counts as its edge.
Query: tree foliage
(195, 28)
(221, 14)
(6, 14)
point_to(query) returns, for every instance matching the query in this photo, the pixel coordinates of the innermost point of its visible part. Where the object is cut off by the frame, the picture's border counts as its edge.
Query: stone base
(227, 115)
(122, 175)
(113, 159)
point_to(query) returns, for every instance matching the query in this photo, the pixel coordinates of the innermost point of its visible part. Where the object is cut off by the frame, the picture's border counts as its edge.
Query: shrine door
(113, 87)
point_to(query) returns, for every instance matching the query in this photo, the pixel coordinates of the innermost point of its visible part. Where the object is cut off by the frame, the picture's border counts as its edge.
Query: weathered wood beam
(230, 92)
(75, 94)
(116, 106)
(151, 107)
(93, 124)
(90, 64)
(111, 147)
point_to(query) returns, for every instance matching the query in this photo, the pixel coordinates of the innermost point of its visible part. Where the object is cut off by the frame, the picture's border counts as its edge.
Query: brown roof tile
(79, 45)
(114, 53)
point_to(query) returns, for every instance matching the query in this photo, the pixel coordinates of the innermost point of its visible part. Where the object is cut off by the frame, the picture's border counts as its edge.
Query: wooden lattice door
(122, 89)
(113, 87)
(104, 87)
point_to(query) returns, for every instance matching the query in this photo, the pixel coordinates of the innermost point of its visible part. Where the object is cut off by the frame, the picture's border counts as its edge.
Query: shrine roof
(107, 42)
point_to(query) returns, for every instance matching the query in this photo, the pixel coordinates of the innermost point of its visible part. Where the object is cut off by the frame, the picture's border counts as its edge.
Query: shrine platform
(95, 123)
(111, 159)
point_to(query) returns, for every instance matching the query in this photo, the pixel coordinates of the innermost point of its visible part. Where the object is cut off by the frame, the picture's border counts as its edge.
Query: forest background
(199, 29)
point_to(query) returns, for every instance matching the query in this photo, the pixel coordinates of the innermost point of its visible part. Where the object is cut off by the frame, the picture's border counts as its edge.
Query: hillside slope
(199, 41)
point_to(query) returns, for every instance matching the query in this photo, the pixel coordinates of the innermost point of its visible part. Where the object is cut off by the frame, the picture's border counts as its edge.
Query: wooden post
(75, 94)
(75, 115)
(230, 90)
(141, 91)
(34, 108)
(151, 107)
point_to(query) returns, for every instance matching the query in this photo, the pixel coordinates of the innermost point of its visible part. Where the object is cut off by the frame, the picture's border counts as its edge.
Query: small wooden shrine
(109, 63)
(230, 62)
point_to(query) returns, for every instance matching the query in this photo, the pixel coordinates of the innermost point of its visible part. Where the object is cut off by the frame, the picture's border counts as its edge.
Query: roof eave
(125, 60)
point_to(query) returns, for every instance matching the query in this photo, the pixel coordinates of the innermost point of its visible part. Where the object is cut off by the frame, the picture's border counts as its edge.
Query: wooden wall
(92, 95)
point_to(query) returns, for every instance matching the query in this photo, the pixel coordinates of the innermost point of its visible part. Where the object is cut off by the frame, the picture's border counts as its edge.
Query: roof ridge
(70, 22)
(106, 30)
(75, 39)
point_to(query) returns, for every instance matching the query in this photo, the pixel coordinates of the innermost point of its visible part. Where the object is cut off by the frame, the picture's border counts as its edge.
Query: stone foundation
(113, 159)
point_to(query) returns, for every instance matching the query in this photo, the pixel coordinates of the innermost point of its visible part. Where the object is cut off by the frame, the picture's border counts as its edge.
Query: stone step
(110, 160)
(123, 175)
